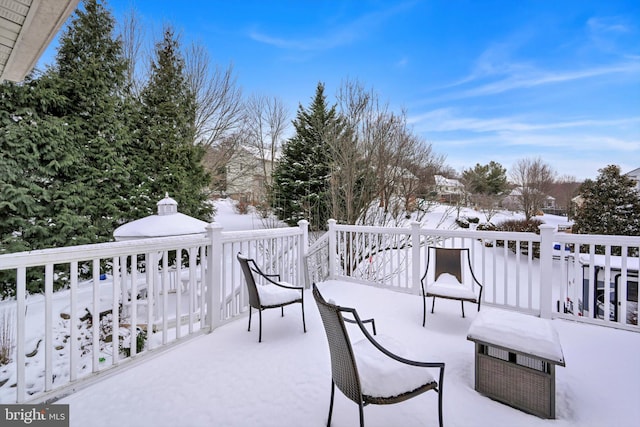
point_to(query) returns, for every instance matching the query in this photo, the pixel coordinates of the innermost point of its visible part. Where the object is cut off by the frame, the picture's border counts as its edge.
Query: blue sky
(479, 80)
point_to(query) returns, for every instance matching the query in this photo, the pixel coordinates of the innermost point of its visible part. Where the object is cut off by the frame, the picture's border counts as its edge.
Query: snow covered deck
(226, 378)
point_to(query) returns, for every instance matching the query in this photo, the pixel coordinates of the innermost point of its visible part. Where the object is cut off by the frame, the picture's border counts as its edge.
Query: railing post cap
(332, 221)
(303, 222)
(546, 227)
(213, 226)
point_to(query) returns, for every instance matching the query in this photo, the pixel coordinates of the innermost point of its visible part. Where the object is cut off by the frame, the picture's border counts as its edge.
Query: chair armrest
(265, 275)
(372, 321)
(393, 355)
(283, 284)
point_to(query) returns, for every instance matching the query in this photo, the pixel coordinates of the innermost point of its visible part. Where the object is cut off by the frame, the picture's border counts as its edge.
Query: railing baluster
(21, 321)
(116, 295)
(48, 326)
(95, 316)
(73, 321)
(165, 296)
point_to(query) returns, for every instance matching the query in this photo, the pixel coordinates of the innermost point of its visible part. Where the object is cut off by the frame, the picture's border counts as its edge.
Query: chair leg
(424, 310)
(249, 328)
(282, 311)
(333, 391)
(440, 408)
(260, 325)
(462, 302)
(433, 304)
(361, 415)
(304, 325)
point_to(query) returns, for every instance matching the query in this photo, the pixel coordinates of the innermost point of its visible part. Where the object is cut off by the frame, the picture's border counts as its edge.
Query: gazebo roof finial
(167, 206)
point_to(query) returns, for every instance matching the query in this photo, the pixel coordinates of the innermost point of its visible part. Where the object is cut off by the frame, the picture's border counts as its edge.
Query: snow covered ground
(227, 378)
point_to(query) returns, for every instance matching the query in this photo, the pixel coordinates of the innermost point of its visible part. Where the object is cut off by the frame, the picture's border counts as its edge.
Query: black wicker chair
(362, 381)
(453, 278)
(270, 294)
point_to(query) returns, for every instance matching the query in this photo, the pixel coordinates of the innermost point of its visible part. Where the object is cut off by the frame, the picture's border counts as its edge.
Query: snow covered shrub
(462, 222)
(521, 226)
(486, 226)
(125, 344)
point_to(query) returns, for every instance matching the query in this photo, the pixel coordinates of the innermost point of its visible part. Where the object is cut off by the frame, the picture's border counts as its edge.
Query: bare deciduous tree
(488, 204)
(131, 36)
(265, 121)
(534, 179)
(375, 157)
(564, 189)
(219, 99)
(216, 159)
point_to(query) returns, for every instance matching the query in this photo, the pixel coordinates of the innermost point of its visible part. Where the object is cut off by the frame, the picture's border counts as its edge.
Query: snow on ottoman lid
(519, 332)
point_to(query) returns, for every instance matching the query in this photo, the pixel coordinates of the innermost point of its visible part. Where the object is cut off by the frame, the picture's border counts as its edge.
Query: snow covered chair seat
(269, 293)
(449, 275)
(371, 371)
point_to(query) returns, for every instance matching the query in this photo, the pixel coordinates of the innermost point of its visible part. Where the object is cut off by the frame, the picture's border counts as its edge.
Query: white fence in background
(196, 285)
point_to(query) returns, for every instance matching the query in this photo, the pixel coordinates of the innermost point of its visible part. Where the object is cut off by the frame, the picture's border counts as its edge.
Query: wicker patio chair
(453, 278)
(366, 371)
(270, 293)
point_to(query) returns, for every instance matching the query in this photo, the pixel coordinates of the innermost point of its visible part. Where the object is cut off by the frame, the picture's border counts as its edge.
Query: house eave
(27, 27)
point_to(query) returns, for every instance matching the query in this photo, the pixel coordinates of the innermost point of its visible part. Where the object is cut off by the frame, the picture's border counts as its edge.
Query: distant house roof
(26, 29)
(441, 181)
(634, 173)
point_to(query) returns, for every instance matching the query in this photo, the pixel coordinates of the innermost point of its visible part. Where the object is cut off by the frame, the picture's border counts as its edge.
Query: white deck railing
(164, 289)
(109, 287)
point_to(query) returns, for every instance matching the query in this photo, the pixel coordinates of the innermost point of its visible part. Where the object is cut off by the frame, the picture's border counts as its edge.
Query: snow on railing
(396, 258)
(317, 260)
(549, 274)
(109, 308)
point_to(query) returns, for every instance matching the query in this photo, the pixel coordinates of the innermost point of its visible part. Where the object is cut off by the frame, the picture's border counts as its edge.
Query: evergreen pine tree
(167, 161)
(301, 177)
(38, 200)
(89, 74)
(610, 205)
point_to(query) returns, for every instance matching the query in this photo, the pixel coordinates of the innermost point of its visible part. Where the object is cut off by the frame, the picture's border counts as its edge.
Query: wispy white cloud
(529, 78)
(447, 120)
(612, 35)
(579, 154)
(333, 37)
(499, 68)
(544, 78)
(402, 62)
(607, 25)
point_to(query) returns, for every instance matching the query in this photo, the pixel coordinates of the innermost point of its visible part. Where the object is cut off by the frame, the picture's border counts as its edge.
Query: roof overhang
(26, 29)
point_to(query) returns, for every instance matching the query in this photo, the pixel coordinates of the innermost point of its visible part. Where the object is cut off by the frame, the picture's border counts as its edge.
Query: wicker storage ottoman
(515, 359)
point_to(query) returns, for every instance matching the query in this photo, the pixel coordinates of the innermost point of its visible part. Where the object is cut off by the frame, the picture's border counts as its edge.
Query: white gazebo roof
(168, 222)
